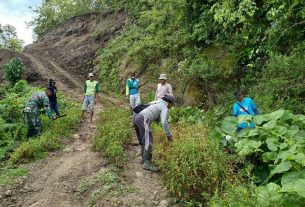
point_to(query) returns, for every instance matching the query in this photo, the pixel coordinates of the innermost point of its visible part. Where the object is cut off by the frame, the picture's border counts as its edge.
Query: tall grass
(114, 133)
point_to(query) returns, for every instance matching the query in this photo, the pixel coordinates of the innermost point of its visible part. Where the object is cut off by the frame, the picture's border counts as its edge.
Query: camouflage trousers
(33, 122)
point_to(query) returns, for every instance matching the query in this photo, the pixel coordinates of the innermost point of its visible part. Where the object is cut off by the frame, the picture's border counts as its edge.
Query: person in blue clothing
(244, 109)
(53, 97)
(132, 90)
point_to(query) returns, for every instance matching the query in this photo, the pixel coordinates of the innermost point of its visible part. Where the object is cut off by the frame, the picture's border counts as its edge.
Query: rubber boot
(148, 165)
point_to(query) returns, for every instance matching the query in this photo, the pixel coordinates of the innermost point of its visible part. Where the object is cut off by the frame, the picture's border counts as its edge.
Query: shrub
(14, 70)
(275, 149)
(236, 196)
(194, 167)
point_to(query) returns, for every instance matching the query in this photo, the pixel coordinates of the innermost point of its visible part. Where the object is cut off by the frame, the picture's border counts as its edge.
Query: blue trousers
(54, 107)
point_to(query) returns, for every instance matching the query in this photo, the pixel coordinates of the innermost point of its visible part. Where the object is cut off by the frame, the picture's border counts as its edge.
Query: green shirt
(91, 88)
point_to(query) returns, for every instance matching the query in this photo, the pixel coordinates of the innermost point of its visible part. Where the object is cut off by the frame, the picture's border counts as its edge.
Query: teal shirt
(244, 119)
(133, 86)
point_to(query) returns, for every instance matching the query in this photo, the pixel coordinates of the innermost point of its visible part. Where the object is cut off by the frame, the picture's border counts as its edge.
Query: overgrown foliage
(14, 145)
(195, 167)
(233, 42)
(274, 152)
(209, 43)
(14, 70)
(218, 46)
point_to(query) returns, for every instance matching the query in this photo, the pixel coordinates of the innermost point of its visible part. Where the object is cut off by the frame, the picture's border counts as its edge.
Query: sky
(16, 13)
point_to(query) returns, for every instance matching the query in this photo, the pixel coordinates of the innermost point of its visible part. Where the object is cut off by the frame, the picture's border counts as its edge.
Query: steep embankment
(67, 52)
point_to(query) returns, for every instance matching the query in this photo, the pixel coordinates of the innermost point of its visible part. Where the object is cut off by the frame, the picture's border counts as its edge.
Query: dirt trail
(55, 181)
(49, 69)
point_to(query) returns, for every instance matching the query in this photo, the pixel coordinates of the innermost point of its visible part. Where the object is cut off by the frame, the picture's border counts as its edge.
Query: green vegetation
(194, 167)
(14, 146)
(8, 38)
(14, 70)
(274, 150)
(114, 132)
(217, 46)
(53, 12)
(9, 176)
(107, 185)
(242, 44)
(248, 44)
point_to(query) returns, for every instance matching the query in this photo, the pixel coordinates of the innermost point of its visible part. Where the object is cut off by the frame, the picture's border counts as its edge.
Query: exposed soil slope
(71, 47)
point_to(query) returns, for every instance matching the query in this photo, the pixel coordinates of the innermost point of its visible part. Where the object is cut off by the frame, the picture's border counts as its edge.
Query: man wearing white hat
(163, 88)
(91, 89)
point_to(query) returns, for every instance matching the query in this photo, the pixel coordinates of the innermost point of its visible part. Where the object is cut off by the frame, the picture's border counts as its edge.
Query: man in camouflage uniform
(32, 108)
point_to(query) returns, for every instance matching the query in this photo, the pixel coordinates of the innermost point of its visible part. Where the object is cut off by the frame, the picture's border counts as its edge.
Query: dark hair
(238, 93)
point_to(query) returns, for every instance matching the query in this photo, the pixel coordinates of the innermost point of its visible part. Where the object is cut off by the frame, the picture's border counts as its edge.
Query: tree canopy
(8, 38)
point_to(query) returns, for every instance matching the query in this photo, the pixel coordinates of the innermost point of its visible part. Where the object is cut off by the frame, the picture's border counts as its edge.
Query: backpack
(139, 108)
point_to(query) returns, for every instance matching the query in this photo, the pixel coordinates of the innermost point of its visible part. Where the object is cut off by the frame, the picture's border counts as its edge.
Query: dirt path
(56, 180)
(53, 181)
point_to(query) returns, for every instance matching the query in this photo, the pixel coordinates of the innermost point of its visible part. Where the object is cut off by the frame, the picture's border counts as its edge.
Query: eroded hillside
(67, 52)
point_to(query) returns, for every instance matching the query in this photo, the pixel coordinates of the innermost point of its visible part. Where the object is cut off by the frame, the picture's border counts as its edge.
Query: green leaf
(272, 143)
(245, 146)
(288, 182)
(282, 167)
(269, 156)
(281, 129)
(283, 146)
(300, 187)
(270, 125)
(294, 182)
(285, 155)
(258, 120)
(277, 114)
(292, 132)
(269, 192)
(228, 125)
(300, 158)
(253, 132)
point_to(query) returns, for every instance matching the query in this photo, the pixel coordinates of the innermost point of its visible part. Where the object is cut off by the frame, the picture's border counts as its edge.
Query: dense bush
(274, 151)
(14, 70)
(194, 167)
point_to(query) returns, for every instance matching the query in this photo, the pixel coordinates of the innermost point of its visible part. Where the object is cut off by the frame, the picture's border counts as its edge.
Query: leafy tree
(54, 12)
(8, 38)
(14, 70)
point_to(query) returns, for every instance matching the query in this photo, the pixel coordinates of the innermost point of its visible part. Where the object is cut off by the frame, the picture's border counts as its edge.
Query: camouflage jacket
(38, 101)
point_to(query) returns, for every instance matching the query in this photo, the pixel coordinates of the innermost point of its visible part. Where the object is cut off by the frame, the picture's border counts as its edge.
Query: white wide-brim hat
(163, 77)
